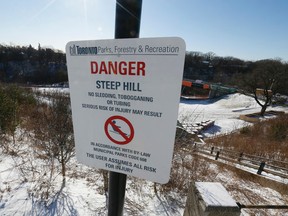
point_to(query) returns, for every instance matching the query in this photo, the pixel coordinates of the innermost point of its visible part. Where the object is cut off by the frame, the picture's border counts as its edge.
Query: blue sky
(245, 29)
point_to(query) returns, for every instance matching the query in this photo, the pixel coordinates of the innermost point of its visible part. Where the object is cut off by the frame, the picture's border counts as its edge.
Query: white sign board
(125, 95)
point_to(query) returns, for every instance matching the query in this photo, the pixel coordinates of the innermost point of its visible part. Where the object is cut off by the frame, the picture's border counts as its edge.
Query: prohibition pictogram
(119, 130)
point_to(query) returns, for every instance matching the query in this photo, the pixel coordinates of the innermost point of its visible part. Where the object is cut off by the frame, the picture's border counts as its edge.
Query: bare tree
(54, 130)
(264, 82)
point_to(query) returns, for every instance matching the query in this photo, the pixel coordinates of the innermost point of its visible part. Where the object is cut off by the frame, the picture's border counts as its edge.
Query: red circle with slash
(122, 138)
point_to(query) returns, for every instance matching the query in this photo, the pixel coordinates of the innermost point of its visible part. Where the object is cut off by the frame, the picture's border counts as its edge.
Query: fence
(274, 167)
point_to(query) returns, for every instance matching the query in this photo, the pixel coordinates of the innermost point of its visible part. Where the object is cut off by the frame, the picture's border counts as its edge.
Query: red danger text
(132, 68)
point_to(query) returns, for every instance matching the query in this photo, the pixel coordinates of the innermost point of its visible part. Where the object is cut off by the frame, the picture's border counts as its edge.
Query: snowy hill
(28, 186)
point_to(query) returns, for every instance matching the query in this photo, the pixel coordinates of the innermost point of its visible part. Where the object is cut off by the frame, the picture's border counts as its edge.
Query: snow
(214, 194)
(50, 89)
(224, 111)
(84, 195)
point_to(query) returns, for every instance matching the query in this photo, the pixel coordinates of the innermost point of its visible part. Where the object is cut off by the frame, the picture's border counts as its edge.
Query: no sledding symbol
(119, 130)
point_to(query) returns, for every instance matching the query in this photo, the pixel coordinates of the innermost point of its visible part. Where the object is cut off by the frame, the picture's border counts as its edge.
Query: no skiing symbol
(119, 130)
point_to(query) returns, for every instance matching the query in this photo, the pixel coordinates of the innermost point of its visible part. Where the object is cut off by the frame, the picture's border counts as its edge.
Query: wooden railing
(261, 164)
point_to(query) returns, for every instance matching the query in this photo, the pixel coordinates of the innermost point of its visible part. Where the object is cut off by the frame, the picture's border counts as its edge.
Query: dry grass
(267, 138)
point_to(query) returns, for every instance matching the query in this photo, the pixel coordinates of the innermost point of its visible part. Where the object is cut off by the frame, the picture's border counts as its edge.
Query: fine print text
(121, 103)
(121, 159)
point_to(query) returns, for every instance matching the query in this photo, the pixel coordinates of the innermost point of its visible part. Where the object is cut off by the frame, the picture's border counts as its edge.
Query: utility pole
(127, 25)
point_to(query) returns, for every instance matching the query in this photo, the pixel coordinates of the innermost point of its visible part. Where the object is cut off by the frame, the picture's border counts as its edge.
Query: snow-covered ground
(83, 194)
(225, 112)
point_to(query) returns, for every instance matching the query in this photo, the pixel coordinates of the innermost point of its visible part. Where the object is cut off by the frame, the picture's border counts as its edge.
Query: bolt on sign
(125, 95)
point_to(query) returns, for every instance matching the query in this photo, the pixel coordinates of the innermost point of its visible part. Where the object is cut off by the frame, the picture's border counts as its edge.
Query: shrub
(13, 103)
(278, 129)
(6, 112)
(245, 130)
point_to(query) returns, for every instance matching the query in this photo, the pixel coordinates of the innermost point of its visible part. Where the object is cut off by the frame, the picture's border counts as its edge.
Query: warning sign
(119, 130)
(125, 95)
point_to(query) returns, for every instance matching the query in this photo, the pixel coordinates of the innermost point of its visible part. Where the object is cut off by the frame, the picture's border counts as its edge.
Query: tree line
(233, 71)
(25, 64)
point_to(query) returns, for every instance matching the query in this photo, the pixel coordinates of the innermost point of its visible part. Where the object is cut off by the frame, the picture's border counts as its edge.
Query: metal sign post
(119, 102)
(127, 25)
